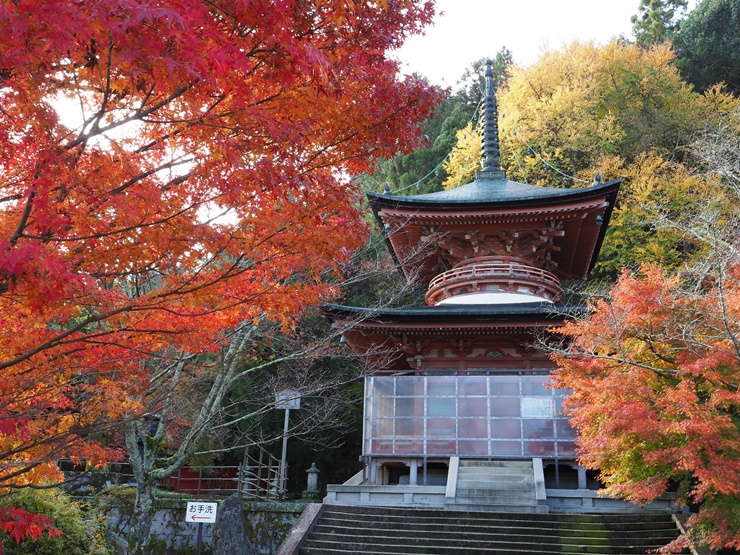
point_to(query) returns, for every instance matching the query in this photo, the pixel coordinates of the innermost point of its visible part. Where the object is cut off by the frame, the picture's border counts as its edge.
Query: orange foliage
(110, 245)
(654, 375)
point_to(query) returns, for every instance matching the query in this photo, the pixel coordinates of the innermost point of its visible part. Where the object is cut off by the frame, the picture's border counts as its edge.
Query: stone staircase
(343, 530)
(496, 486)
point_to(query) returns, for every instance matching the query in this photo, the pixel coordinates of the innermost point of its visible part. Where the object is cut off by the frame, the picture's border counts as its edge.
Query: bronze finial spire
(490, 162)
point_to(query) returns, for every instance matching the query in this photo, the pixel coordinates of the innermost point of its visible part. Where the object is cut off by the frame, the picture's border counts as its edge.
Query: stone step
(420, 515)
(509, 485)
(472, 463)
(507, 498)
(481, 477)
(416, 545)
(357, 530)
(505, 505)
(464, 547)
(344, 537)
(336, 550)
(499, 493)
(416, 516)
(488, 479)
(483, 507)
(496, 486)
(432, 530)
(495, 471)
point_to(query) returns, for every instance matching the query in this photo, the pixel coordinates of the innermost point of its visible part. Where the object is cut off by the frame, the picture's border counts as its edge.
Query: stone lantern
(312, 488)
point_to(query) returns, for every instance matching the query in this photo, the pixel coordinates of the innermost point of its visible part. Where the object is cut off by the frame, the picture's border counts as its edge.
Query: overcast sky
(468, 30)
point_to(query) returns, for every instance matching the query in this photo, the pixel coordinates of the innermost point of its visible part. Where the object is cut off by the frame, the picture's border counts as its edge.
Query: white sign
(288, 399)
(537, 407)
(201, 511)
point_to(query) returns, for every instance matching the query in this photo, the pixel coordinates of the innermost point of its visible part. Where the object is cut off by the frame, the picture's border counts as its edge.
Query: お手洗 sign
(201, 511)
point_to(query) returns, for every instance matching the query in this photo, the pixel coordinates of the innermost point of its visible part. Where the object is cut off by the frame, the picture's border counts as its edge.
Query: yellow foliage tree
(584, 102)
(464, 159)
(623, 111)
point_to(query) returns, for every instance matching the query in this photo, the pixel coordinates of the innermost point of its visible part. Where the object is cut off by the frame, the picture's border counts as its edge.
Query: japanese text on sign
(200, 511)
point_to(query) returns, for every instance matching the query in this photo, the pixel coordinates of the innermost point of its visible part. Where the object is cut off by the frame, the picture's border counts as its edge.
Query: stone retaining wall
(267, 525)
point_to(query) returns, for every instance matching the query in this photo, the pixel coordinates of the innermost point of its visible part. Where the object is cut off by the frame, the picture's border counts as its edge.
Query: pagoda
(463, 378)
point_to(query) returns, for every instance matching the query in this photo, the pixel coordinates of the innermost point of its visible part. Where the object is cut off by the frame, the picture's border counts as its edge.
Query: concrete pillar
(413, 473)
(379, 474)
(582, 481)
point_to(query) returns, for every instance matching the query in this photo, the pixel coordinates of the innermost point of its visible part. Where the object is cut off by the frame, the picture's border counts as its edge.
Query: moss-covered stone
(267, 523)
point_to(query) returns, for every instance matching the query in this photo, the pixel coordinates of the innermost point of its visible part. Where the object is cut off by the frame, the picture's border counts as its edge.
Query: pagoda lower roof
(462, 337)
(467, 314)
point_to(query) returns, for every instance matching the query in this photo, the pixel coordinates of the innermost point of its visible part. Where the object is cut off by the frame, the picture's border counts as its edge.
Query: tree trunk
(140, 533)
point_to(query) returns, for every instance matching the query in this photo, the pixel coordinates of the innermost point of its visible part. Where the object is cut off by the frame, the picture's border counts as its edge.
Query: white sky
(468, 30)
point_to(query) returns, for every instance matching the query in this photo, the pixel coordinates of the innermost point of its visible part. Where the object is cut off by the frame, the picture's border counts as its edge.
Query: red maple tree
(654, 374)
(168, 170)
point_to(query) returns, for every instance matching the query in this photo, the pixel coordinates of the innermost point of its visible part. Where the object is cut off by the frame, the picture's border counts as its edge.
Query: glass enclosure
(514, 415)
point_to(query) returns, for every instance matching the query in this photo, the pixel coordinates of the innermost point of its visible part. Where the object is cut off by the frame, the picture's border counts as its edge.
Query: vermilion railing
(256, 478)
(494, 274)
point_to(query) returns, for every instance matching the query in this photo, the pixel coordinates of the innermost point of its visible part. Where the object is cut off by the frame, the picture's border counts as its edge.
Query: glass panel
(413, 427)
(533, 428)
(441, 447)
(473, 428)
(473, 407)
(409, 406)
(539, 448)
(505, 428)
(535, 385)
(408, 385)
(502, 448)
(415, 408)
(404, 447)
(504, 385)
(472, 447)
(565, 430)
(505, 406)
(440, 427)
(382, 427)
(382, 406)
(566, 449)
(472, 385)
(441, 385)
(383, 447)
(381, 387)
(440, 407)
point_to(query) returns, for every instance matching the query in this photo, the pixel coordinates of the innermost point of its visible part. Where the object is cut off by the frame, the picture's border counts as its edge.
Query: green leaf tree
(707, 45)
(656, 20)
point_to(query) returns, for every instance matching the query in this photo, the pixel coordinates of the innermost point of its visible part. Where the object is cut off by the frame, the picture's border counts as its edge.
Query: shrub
(81, 535)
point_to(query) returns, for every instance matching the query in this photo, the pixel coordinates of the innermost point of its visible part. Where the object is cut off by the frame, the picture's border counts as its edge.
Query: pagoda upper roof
(486, 192)
(557, 229)
(497, 204)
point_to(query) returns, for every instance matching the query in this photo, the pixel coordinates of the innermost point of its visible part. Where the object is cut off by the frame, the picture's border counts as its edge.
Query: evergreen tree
(656, 20)
(422, 170)
(707, 45)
